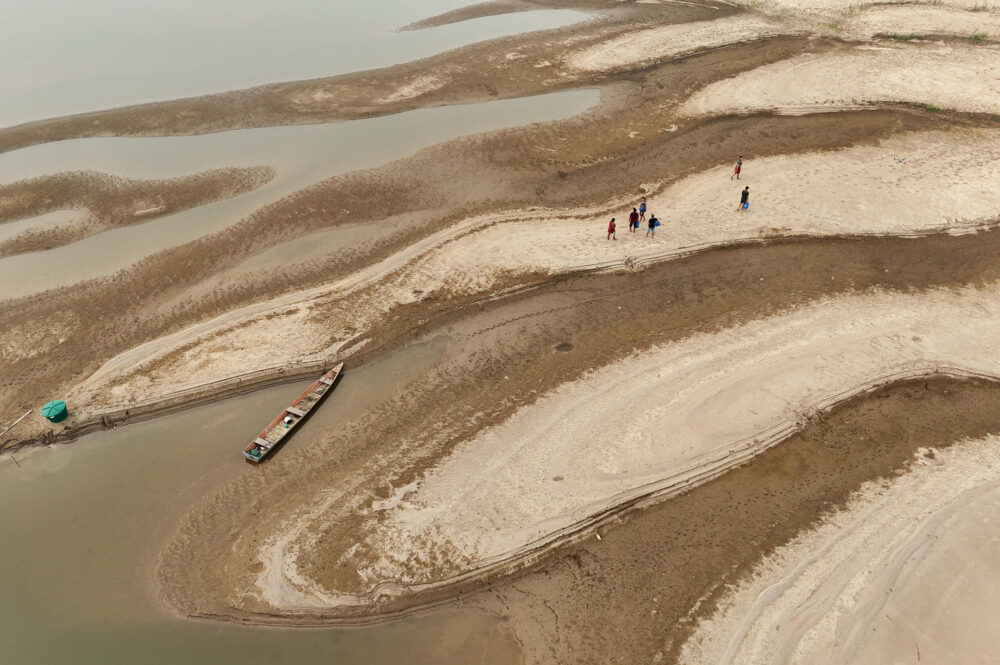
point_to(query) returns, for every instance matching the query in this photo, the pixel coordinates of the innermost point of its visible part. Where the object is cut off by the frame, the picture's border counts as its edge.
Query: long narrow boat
(286, 422)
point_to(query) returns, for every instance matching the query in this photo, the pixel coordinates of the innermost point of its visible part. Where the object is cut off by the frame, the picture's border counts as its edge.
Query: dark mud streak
(677, 557)
(113, 201)
(114, 314)
(478, 10)
(472, 75)
(502, 359)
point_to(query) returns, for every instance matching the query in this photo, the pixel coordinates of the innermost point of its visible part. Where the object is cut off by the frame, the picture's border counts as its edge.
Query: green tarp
(55, 410)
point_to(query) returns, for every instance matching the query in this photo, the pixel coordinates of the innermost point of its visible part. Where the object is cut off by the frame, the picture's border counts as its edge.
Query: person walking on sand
(739, 167)
(652, 224)
(633, 221)
(744, 198)
(642, 209)
(611, 230)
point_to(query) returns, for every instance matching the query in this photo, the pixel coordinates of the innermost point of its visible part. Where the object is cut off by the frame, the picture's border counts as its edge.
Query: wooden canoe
(281, 427)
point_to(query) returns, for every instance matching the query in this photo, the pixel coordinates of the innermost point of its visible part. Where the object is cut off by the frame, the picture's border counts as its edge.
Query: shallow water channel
(82, 524)
(73, 57)
(302, 155)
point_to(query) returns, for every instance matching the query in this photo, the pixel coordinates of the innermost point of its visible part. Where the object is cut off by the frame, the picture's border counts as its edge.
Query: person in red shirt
(633, 221)
(611, 229)
(739, 167)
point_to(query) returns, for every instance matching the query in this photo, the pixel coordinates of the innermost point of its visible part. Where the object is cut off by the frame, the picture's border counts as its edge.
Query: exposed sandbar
(943, 183)
(111, 201)
(905, 567)
(963, 78)
(504, 358)
(655, 422)
(637, 594)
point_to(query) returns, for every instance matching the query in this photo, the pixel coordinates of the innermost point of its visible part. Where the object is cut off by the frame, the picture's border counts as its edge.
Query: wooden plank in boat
(272, 436)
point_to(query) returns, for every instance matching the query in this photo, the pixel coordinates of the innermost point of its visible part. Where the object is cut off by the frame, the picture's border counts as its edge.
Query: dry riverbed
(733, 405)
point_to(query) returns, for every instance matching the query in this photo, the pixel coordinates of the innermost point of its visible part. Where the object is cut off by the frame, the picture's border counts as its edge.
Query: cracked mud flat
(622, 402)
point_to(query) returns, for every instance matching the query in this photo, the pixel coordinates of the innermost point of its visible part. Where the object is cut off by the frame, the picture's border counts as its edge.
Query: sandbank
(656, 422)
(905, 572)
(963, 78)
(914, 184)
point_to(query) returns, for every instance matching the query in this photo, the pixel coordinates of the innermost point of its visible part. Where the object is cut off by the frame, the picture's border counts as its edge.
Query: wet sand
(906, 567)
(587, 386)
(639, 591)
(111, 202)
(511, 355)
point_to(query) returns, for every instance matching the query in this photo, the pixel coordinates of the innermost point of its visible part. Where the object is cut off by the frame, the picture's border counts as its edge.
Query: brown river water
(82, 524)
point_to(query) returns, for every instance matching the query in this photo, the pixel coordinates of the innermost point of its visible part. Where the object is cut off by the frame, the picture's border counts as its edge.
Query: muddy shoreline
(422, 318)
(709, 290)
(365, 94)
(678, 557)
(478, 251)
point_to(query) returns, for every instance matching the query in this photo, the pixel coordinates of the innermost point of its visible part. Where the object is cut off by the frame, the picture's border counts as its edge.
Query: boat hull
(281, 428)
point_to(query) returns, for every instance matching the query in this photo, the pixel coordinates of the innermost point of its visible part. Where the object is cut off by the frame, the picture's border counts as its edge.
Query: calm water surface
(67, 56)
(82, 524)
(302, 155)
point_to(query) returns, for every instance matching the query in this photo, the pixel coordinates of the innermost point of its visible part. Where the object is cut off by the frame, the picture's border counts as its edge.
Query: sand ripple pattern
(964, 78)
(654, 424)
(652, 44)
(905, 573)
